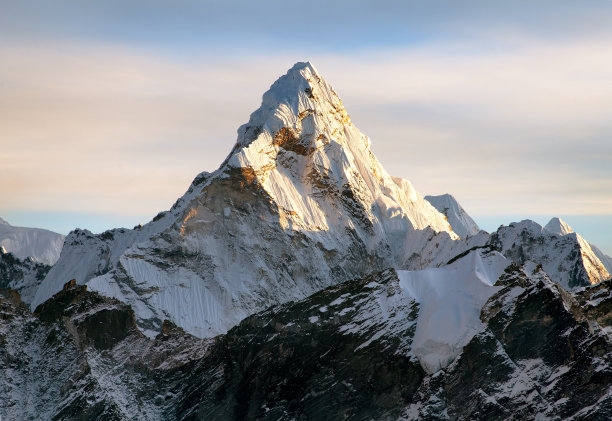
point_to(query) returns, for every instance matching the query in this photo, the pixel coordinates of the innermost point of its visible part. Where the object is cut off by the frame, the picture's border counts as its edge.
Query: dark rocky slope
(343, 353)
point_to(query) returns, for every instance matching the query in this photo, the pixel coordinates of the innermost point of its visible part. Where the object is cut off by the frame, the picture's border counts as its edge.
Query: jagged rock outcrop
(560, 227)
(23, 276)
(344, 352)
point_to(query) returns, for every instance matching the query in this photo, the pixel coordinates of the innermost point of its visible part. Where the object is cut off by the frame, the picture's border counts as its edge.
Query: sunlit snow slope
(458, 218)
(300, 203)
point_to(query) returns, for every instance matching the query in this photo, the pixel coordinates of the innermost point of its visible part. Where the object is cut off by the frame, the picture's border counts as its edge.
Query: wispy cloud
(99, 127)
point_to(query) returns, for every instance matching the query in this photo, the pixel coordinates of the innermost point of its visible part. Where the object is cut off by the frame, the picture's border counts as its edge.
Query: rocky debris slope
(343, 352)
(44, 246)
(300, 204)
(81, 356)
(459, 220)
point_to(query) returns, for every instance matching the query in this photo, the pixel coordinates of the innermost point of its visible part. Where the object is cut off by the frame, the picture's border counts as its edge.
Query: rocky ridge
(568, 259)
(344, 352)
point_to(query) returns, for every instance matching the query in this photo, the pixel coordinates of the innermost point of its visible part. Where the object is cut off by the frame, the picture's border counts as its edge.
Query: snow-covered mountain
(458, 218)
(568, 259)
(560, 227)
(299, 204)
(332, 290)
(42, 245)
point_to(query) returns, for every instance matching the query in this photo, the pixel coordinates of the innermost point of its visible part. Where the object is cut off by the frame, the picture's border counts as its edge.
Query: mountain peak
(300, 70)
(295, 112)
(461, 223)
(300, 203)
(301, 144)
(558, 226)
(301, 75)
(3, 222)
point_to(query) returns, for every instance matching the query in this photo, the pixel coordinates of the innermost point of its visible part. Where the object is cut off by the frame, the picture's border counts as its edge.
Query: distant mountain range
(42, 245)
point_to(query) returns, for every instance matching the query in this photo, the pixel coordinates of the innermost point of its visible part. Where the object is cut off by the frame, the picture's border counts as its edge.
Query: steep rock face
(603, 258)
(459, 220)
(24, 276)
(568, 259)
(42, 245)
(343, 353)
(81, 356)
(301, 203)
(596, 302)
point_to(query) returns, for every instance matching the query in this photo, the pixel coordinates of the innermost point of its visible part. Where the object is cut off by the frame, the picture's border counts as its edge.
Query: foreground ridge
(346, 351)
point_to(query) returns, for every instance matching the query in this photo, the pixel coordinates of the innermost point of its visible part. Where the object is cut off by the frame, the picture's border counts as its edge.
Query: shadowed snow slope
(300, 203)
(458, 218)
(42, 245)
(450, 300)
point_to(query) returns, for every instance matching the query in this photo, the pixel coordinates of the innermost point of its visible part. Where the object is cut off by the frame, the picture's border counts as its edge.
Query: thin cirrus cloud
(111, 123)
(522, 131)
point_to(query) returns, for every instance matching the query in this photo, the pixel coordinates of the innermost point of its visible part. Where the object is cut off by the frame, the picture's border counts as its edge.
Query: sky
(108, 109)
